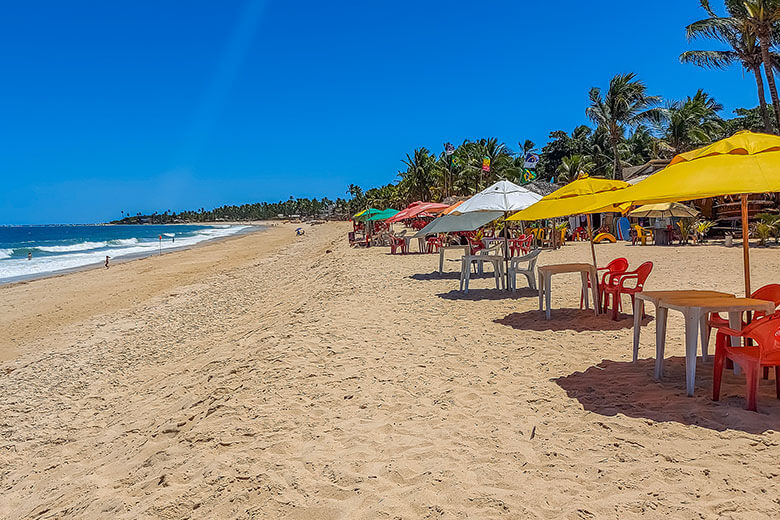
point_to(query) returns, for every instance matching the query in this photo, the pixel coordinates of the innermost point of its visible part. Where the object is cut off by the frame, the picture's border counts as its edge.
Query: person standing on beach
(107, 257)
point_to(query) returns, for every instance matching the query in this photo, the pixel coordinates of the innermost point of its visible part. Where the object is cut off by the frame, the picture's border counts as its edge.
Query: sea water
(60, 248)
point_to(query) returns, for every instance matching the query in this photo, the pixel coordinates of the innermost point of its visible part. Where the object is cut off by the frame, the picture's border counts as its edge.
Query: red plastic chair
(615, 285)
(398, 244)
(476, 245)
(616, 266)
(769, 292)
(515, 245)
(765, 332)
(433, 244)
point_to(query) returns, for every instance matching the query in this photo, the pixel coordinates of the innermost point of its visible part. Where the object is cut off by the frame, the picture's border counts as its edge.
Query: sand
(274, 376)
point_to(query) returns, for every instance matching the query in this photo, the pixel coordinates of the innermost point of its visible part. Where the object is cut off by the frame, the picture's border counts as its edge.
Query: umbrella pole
(590, 239)
(746, 244)
(506, 250)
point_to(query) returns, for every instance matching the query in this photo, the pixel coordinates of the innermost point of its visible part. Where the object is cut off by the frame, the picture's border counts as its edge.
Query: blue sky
(143, 106)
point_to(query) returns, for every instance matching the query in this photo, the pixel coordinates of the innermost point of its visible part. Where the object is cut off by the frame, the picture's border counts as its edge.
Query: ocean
(66, 247)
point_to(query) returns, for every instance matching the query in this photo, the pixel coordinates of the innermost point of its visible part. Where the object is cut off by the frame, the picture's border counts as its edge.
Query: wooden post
(746, 244)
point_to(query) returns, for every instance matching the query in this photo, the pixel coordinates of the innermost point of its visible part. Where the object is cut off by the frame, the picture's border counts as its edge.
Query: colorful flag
(531, 160)
(486, 164)
(527, 176)
(449, 149)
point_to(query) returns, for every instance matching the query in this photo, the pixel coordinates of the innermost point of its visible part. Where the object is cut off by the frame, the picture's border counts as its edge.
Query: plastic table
(545, 284)
(654, 297)
(695, 310)
(465, 270)
(465, 248)
(420, 243)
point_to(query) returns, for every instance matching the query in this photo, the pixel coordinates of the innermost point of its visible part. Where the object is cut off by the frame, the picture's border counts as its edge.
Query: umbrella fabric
(464, 222)
(664, 210)
(452, 208)
(503, 196)
(746, 162)
(363, 215)
(417, 208)
(382, 215)
(584, 195)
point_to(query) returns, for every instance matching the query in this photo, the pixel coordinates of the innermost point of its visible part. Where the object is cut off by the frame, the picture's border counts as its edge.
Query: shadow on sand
(576, 320)
(614, 387)
(435, 275)
(488, 294)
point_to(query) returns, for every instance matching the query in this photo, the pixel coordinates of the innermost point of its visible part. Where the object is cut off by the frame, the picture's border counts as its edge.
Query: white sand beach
(274, 376)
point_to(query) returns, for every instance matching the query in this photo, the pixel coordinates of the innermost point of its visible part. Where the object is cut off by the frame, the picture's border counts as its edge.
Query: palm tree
(744, 49)
(572, 165)
(763, 17)
(626, 104)
(420, 175)
(692, 123)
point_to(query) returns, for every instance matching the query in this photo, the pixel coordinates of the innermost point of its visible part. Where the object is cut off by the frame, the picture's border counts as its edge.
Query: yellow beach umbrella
(664, 210)
(742, 164)
(585, 195)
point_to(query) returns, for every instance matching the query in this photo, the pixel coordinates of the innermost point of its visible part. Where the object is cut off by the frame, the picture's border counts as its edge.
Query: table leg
(735, 323)
(584, 291)
(463, 272)
(638, 311)
(548, 295)
(660, 339)
(468, 276)
(691, 347)
(704, 330)
(594, 287)
(541, 290)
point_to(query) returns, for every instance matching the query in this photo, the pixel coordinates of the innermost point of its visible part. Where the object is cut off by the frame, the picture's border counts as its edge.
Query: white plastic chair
(529, 271)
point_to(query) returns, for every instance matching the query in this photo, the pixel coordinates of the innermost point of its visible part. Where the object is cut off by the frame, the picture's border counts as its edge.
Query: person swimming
(29, 256)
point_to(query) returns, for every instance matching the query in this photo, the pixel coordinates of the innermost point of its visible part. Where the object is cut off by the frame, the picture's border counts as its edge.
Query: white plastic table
(654, 297)
(420, 243)
(695, 310)
(465, 248)
(545, 284)
(465, 270)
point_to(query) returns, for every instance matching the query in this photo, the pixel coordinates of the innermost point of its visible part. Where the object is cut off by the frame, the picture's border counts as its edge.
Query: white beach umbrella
(502, 196)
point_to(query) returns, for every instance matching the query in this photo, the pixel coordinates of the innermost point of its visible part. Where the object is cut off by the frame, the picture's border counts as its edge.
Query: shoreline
(38, 307)
(255, 227)
(277, 376)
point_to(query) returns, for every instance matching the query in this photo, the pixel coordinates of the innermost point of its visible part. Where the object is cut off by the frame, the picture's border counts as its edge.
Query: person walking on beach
(107, 257)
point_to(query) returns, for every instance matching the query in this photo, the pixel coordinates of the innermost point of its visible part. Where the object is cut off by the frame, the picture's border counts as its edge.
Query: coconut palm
(763, 17)
(692, 123)
(573, 165)
(420, 175)
(744, 49)
(625, 104)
